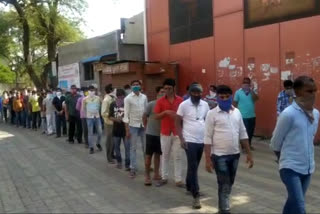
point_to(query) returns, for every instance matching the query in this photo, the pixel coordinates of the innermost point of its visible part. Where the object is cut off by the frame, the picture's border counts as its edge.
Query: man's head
(74, 89)
(169, 86)
(92, 90)
(120, 93)
(160, 92)
(136, 86)
(288, 84)
(108, 89)
(305, 90)
(224, 97)
(213, 88)
(127, 87)
(195, 92)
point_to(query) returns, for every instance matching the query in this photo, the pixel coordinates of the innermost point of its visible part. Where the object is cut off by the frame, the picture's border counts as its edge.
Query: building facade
(223, 41)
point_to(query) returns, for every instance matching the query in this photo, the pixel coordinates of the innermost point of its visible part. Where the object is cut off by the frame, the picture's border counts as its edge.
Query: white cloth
(134, 107)
(47, 102)
(224, 130)
(168, 144)
(51, 123)
(193, 120)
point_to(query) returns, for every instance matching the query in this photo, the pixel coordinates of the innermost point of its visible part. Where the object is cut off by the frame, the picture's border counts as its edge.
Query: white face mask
(212, 94)
(91, 93)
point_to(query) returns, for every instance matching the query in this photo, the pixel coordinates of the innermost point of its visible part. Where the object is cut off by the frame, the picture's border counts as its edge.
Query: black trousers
(74, 122)
(35, 120)
(194, 154)
(250, 124)
(61, 122)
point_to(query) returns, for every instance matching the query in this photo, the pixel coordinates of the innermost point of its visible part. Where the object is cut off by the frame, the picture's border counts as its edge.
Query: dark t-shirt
(119, 129)
(58, 103)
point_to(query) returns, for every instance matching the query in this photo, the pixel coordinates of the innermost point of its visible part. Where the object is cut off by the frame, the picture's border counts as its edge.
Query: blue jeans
(18, 118)
(297, 185)
(94, 122)
(126, 143)
(226, 169)
(194, 154)
(136, 134)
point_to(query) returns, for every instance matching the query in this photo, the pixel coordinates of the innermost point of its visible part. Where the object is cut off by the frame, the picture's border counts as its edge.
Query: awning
(98, 58)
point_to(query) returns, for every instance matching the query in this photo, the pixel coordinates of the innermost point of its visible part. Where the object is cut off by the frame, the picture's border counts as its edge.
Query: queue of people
(218, 125)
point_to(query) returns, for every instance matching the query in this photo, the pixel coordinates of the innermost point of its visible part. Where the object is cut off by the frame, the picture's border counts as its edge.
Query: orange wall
(269, 45)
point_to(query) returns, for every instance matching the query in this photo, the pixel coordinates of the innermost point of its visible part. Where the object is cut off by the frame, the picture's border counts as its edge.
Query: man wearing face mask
(245, 99)
(134, 107)
(190, 123)
(224, 129)
(292, 143)
(285, 97)
(211, 98)
(50, 115)
(73, 116)
(91, 106)
(60, 114)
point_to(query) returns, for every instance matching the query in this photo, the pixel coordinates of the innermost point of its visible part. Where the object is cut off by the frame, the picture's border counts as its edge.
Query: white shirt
(193, 120)
(134, 107)
(49, 106)
(224, 130)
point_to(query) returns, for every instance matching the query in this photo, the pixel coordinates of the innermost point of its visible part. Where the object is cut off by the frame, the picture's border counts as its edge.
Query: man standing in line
(50, 116)
(108, 124)
(224, 129)
(83, 117)
(153, 143)
(26, 113)
(211, 98)
(18, 109)
(245, 99)
(35, 109)
(285, 97)
(165, 110)
(91, 106)
(73, 116)
(116, 114)
(134, 106)
(190, 124)
(292, 143)
(60, 114)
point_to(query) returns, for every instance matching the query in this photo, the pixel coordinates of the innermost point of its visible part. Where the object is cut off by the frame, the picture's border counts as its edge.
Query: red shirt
(167, 122)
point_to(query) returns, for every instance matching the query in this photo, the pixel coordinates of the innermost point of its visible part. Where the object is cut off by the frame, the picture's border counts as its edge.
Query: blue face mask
(136, 88)
(225, 105)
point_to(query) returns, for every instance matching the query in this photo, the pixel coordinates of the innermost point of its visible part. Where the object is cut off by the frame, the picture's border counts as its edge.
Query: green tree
(6, 76)
(42, 26)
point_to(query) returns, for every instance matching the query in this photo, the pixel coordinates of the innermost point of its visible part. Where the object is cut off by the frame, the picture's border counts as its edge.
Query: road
(40, 174)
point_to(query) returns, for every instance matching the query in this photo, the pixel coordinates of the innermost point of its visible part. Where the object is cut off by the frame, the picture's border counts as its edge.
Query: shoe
(224, 212)
(132, 174)
(99, 147)
(58, 136)
(180, 184)
(161, 183)
(196, 203)
(91, 151)
(156, 178)
(147, 181)
(79, 141)
(127, 169)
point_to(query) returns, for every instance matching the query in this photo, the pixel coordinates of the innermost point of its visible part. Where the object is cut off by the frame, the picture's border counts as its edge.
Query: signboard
(69, 75)
(116, 68)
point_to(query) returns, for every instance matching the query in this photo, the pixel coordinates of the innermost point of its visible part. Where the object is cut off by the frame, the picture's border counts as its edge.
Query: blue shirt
(245, 104)
(283, 101)
(293, 138)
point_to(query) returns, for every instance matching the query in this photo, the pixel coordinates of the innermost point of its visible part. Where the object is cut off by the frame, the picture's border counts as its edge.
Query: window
(88, 71)
(190, 20)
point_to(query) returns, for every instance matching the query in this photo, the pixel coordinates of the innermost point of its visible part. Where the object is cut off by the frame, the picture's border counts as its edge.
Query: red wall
(268, 47)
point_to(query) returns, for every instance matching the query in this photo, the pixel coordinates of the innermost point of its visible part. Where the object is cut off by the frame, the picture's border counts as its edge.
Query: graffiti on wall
(262, 12)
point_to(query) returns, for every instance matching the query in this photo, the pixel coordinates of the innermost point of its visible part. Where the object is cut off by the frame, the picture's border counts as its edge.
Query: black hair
(127, 86)
(170, 82)
(91, 87)
(288, 83)
(73, 86)
(247, 79)
(108, 89)
(158, 89)
(120, 92)
(213, 86)
(224, 89)
(135, 81)
(58, 89)
(301, 81)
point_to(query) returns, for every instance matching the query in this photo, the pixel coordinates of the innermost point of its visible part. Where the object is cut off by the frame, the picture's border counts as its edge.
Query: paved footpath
(40, 174)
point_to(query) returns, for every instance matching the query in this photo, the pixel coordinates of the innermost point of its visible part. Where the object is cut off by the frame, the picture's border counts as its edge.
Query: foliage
(6, 76)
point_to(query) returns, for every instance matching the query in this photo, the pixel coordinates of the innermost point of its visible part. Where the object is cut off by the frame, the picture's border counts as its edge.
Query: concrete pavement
(41, 174)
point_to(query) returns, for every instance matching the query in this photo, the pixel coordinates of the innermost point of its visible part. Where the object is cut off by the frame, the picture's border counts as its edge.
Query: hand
(128, 135)
(209, 166)
(183, 143)
(249, 161)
